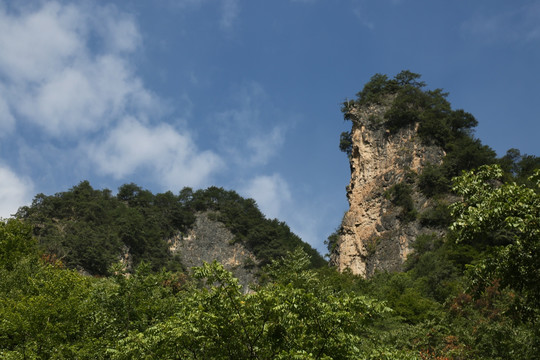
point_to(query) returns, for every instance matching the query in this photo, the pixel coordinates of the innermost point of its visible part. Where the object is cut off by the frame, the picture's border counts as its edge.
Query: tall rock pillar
(372, 235)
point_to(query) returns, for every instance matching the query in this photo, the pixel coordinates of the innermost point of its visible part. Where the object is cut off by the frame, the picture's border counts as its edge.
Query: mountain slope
(91, 229)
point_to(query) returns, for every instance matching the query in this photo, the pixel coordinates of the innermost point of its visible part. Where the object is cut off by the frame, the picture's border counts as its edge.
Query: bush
(437, 216)
(376, 89)
(432, 181)
(401, 195)
(345, 143)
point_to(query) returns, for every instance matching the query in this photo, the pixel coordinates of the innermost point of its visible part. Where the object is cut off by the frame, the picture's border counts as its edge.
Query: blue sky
(242, 94)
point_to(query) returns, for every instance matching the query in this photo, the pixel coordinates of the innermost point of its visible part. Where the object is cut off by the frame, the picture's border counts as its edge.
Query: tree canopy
(506, 216)
(90, 229)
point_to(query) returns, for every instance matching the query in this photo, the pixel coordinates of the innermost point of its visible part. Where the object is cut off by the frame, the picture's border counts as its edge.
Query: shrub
(401, 195)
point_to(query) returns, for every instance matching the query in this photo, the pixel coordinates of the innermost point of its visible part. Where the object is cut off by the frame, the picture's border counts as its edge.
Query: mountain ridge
(91, 229)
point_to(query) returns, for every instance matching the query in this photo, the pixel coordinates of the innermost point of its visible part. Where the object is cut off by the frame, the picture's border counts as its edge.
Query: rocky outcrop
(210, 240)
(372, 235)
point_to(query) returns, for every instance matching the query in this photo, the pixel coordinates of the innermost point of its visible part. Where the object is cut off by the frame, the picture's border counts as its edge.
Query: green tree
(16, 242)
(490, 210)
(401, 195)
(345, 143)
(519, 167)
(294, 316)
(374, 91)
(408, 78)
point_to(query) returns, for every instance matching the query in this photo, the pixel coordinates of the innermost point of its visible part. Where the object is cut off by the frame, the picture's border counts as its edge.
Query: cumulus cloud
(52, 77)
(15, 191)
(117, 29)
(271, 192)
(38, 43)
(85, 98)
(7, 121)
(66, 76)
(171, 157)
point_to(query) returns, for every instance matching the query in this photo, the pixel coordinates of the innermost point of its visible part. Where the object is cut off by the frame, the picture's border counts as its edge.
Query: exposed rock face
(372, 235)
(210, 240)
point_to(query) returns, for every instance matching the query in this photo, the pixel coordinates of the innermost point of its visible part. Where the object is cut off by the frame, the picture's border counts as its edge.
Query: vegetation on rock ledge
(406, 102)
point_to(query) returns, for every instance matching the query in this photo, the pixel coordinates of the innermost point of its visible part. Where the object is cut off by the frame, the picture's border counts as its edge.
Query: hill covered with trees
(90, 230)
(470, 289)
(440, 308)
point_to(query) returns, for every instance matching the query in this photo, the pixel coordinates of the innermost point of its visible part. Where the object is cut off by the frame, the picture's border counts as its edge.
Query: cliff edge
(376, 233)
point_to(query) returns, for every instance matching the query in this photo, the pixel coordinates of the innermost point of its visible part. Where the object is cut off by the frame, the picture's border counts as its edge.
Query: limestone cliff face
(210, 240)
(371, 235)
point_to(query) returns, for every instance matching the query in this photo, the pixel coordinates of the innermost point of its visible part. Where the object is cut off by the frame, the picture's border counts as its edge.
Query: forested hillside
(435, 310)
(469, 290)
(90, 229)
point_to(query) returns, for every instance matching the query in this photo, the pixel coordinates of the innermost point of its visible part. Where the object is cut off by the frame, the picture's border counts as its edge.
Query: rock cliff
(374, 234)
(210, 240)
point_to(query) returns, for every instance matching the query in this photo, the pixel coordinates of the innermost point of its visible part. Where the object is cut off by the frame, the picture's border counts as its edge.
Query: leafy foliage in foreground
(437, 309)
(90, 229)
(508, 215)
(472, 293)
(475, 291)
(293, 316)
(48, 311)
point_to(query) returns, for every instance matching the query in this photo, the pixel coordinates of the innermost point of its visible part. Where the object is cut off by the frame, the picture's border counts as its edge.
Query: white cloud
(171, 157)
(40, 43)
(66, 71)
(118, 30)
(66, 75)
(7, 121)
(14, 192)
(262, 147)
(85, 97)
(271, 193)
(243, 132)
